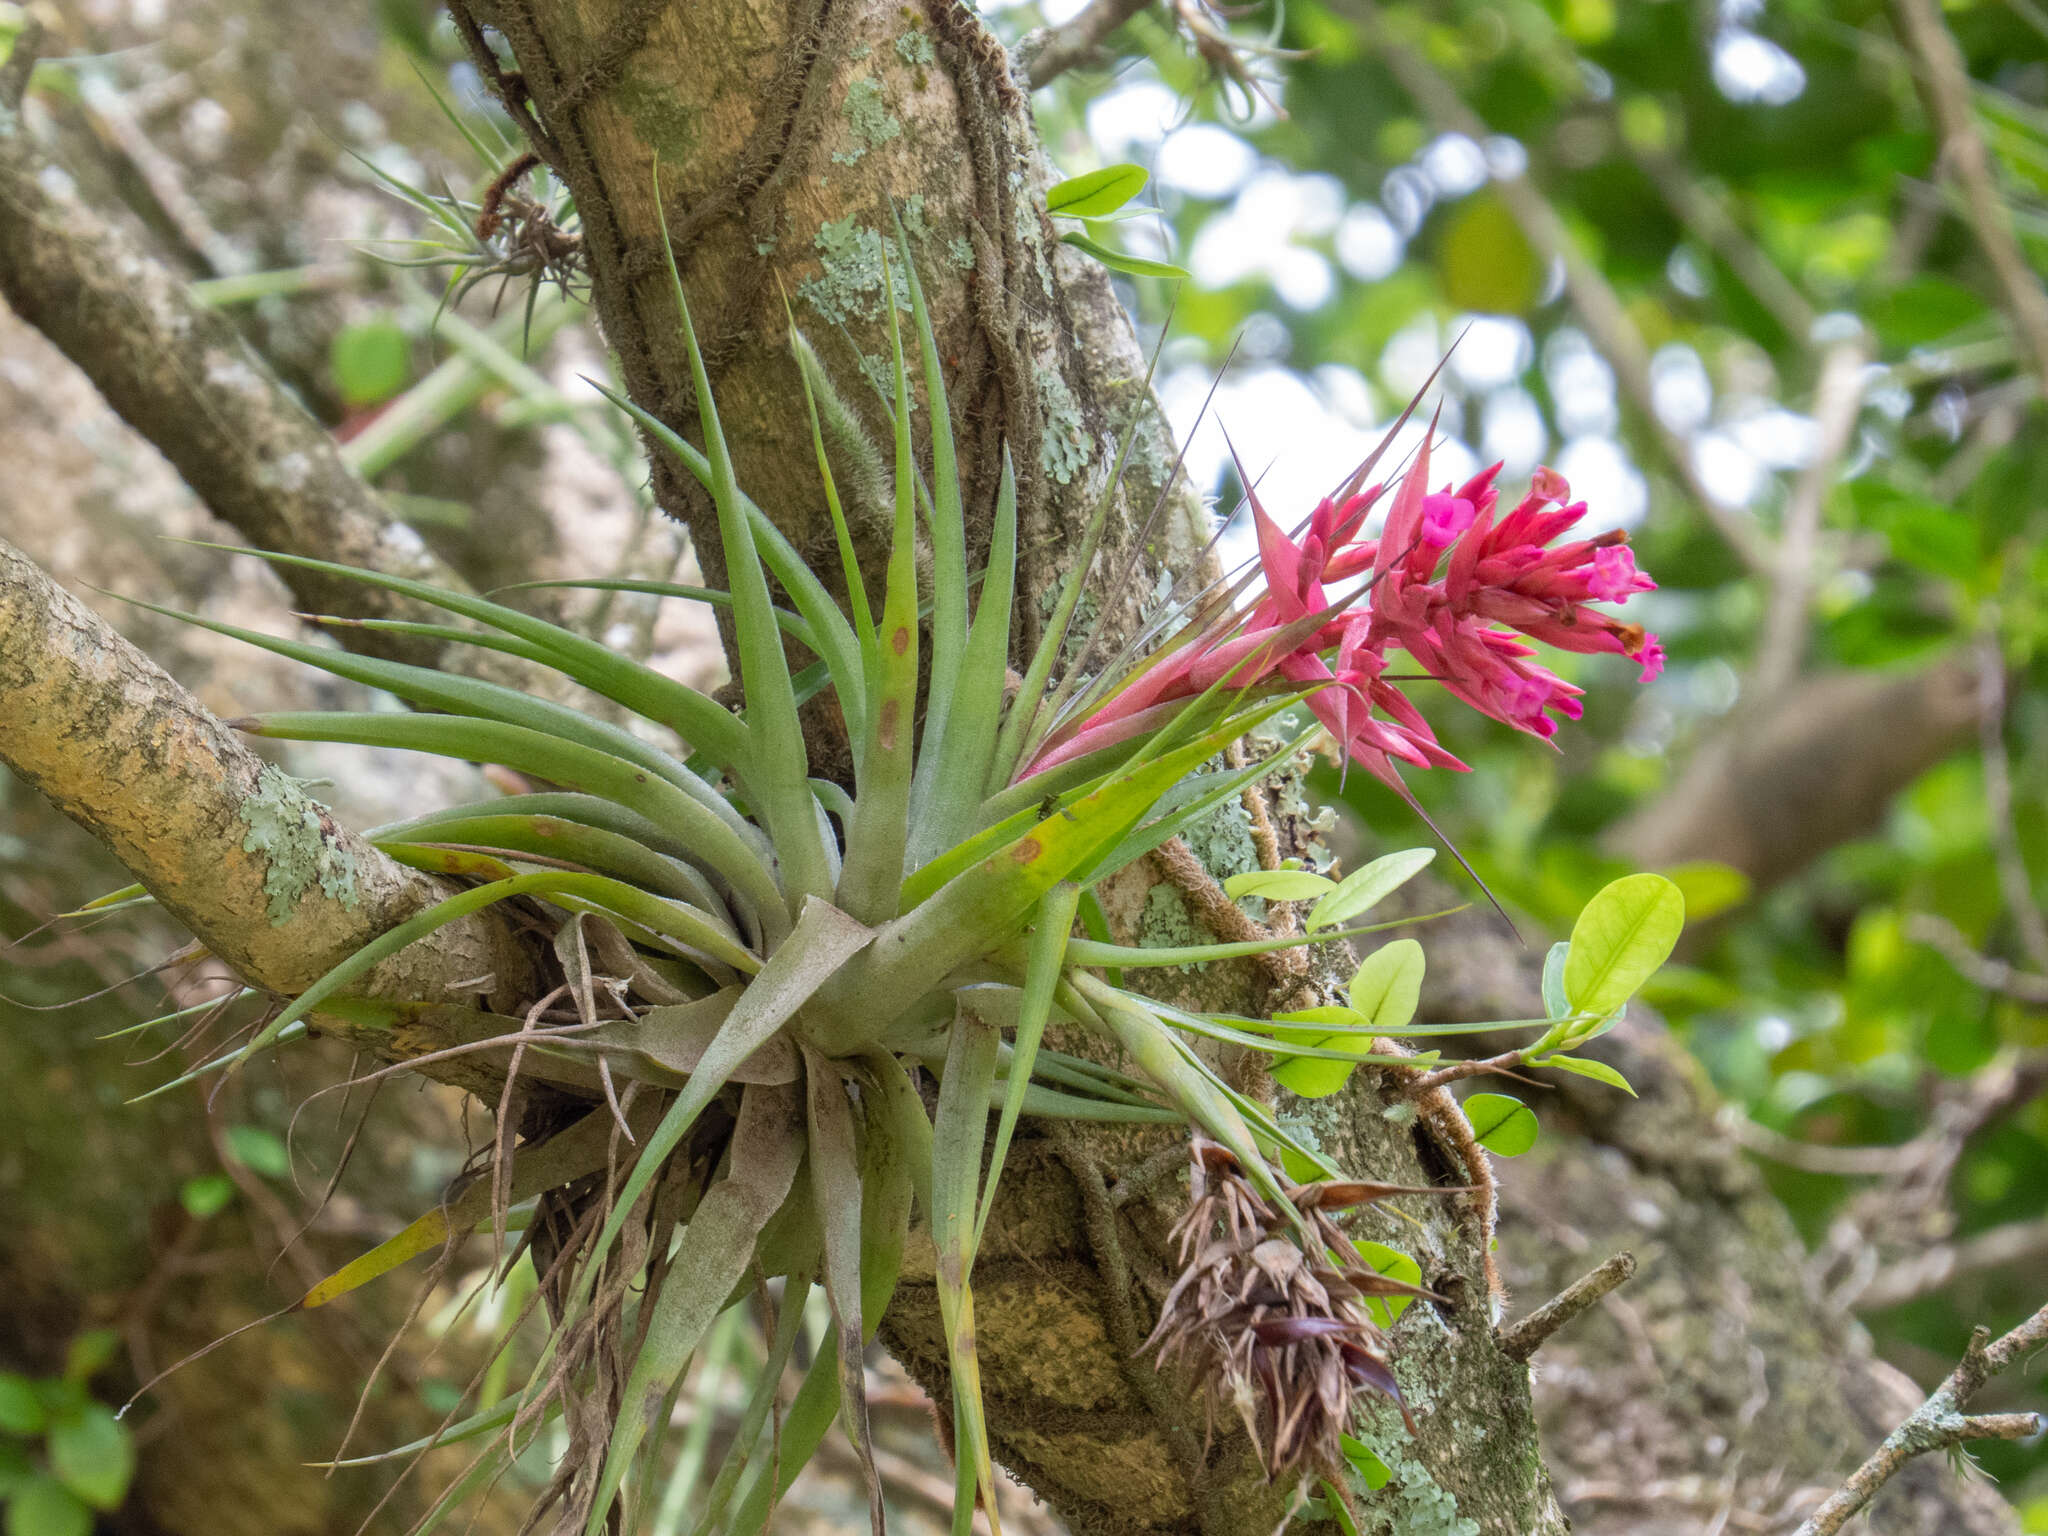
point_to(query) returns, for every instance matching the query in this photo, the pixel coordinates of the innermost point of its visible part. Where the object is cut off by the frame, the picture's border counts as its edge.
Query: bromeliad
(752, 969)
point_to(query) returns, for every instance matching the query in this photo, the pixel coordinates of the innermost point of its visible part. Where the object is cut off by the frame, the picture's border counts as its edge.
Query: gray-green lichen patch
(873, 124)
(960, 252)
(290, 831)
(1413, 1503)
(1066, 448)
(1166, 924)
(913, 216)
(850, 284)
(914, 47)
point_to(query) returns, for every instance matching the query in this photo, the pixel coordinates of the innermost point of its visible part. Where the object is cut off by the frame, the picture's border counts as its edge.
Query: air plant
(750, 970)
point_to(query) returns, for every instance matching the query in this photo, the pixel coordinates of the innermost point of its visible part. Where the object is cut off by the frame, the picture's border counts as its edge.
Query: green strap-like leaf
(716, 1249)
(835, 1183)
(958, 1133)
(1366, 888)
(1043, 968)
(789, 1318)
(811, 1413)
(711, 840)
(707, 725)
(823, 940)
(871, 882)
(779, 768)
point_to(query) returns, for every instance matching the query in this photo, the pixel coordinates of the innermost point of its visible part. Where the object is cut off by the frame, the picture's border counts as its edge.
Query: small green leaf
(371, 362)
(16, 1470)
(1555, 1004)
(46, 1508)
(1585, 1066)
(89, 1354)
(1278, 885)
(1388, 985)
(1365, 888)
(1395, 1265)
(1370, 1469)
(1624, 934)
(21, 1406)
(1117, 261)
(93, 1455)
(207, 1195)
(1505, 1127)
(259, 1151)
(1097, 193)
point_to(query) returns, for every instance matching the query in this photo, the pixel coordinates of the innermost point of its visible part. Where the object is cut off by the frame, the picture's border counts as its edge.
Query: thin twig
(1816, 1157)
(1944, 82)
(1992, 975)
(1050, 52)
(1838, 400)
(2020, 1245)
(2014, 881)
(1519, 1341)
(1939, 1423)
(1599, 307)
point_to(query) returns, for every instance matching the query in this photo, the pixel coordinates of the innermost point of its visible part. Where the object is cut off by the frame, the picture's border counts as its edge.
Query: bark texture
(234, 848)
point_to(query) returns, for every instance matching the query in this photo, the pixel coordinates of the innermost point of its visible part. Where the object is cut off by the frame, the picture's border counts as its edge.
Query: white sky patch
(1203, 160)
(1749, 67)
(1512, 430)
(1505, 157)
(1407, 194)
(1684, 272)
(1058, 13)
(1581, 383)
(1733, 475)
(1495, 350)
(1680, 390)
(1411, 355)
(1614, 490)
(1368, 244)
(1301, 278)
(1454, 164)
(1132, 117)
(1778, 437)
(1254, 238)
(1297, 443)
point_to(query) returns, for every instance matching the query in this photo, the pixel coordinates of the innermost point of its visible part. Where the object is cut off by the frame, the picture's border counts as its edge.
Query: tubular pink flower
(1457, 587)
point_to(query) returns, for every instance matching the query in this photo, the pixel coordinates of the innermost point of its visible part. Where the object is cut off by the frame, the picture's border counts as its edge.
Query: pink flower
(1452, 586)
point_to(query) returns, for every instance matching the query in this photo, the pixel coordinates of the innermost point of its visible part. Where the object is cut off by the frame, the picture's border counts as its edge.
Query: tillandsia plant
(751, 971)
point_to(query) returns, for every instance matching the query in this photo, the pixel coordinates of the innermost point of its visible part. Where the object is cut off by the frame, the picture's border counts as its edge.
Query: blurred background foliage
(1708, 258)
(1754, 188)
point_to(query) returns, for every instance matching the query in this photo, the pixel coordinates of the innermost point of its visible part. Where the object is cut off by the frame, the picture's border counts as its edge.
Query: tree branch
(1050, 52)
(2020, 1245)
(1938, 1424)
(1980, 969)
(1944, 82)
(1599, 308)
(182, 376)
(229, 845)
(1521, 1340)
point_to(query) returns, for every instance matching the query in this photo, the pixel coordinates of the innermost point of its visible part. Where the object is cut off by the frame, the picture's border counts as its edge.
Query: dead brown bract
(1277, 1331)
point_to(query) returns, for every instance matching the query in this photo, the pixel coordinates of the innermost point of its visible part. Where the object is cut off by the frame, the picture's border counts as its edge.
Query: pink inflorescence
(1451, 584)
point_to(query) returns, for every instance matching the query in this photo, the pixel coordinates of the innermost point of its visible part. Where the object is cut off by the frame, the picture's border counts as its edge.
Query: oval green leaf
(1364, 889)
(1312, 1077)
(1370, 1469)
(1388, 985)
(1505, 1127)
(46, 1508)
(21, 1406)
(93, 1455)
(1624, 934)
(1278, 885)
(1395, 1265)
(1098, 192)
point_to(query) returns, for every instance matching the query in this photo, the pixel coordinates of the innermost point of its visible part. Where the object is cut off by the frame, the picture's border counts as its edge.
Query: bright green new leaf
(1625, 933)
(1370, 1469)
(1395, 1265)
(1364, 889)
(1555, 1004)
(1585, 1066)
(1279, 885)
(1504, 1126)
(259, 1151)
(21, 1406)
(1384, 994)
(1098, 192)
